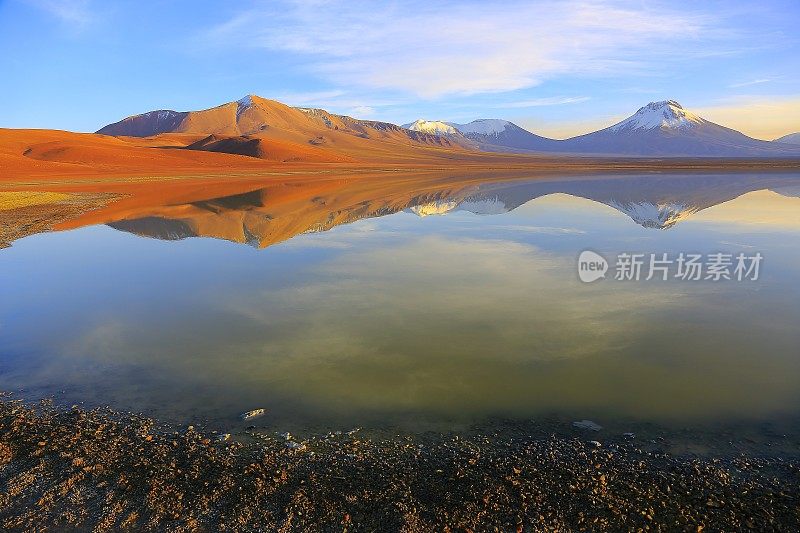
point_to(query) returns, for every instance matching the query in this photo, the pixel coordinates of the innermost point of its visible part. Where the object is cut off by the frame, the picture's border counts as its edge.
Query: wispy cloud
(336, 100)
(542, 102)
(749, 83)
(432, 49)
(310, 98)
(76, 14)
(362, 111)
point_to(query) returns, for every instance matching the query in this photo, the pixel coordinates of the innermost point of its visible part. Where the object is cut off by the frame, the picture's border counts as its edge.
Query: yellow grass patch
(16, 199)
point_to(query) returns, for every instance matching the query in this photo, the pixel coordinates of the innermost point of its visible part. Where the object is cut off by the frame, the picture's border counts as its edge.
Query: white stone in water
(255, 413)
(587, 424)
(298, 446)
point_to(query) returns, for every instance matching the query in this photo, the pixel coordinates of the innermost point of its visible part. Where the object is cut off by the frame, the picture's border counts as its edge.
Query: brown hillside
(293, 134)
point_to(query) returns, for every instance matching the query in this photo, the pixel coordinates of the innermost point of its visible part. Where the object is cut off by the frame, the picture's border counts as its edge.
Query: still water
(447, 307)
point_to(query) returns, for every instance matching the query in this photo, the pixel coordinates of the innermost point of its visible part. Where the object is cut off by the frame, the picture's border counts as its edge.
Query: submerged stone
(587, 424)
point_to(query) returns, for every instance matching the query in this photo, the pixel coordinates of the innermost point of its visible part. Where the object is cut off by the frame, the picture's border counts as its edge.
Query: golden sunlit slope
(267, 129)
(32, 154)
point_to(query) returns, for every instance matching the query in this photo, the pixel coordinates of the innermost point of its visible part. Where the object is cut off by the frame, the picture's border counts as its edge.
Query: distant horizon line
(449, 122)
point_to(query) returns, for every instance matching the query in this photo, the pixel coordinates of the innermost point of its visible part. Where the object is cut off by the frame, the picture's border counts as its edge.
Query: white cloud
(434, 49)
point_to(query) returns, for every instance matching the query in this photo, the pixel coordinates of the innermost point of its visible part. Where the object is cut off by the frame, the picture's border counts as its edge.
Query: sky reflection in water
(452, 317)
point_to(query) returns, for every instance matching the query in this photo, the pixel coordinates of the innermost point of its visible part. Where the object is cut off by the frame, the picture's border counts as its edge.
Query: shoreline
(533, 168)
(76, 469)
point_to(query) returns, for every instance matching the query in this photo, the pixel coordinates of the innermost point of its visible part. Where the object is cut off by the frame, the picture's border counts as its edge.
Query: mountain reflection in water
(361, 312)
(657, 202)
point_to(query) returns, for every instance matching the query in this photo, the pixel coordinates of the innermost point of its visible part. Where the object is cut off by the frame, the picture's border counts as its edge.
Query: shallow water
(440, 310)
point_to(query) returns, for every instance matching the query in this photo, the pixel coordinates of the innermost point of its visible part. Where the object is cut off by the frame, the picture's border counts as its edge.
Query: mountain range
(658, 129)
(267, 129)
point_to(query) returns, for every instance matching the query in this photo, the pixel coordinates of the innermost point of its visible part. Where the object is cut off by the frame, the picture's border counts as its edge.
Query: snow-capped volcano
(667, 114)
(667, 129)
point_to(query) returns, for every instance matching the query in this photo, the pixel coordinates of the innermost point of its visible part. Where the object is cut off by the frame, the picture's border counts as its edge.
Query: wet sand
(76, 470)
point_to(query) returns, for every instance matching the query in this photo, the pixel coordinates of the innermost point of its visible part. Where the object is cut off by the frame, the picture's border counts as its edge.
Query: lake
(427, 305)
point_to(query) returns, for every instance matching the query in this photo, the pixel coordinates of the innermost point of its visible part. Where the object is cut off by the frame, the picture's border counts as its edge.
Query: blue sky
(557, 68)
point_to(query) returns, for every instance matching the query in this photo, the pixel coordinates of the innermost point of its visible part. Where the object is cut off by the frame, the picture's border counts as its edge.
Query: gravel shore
(79, 470)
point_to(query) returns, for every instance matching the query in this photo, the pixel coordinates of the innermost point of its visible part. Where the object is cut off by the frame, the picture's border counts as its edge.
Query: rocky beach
(98, 470)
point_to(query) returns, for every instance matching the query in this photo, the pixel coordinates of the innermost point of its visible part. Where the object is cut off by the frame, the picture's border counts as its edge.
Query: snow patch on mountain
(435, 127)
(161, 115)
(318, 114)
(667, 114)
(483, 126)
(243, 104)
